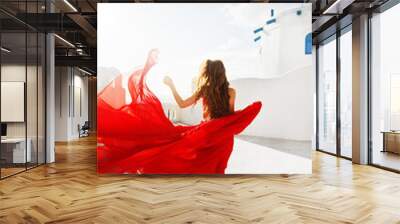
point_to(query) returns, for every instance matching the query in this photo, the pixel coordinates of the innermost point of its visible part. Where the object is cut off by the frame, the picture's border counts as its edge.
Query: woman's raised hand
(168, 81)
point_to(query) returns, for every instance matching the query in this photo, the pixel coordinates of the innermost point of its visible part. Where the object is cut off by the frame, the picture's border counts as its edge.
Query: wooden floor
(70, 191)
(10, 171)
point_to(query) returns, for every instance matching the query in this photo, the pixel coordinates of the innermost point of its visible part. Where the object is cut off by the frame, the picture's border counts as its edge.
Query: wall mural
(204, 88)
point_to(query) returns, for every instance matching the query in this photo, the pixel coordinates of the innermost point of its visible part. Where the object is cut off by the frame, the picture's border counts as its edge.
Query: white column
(50, 99)
(50, 92)
(360, 90)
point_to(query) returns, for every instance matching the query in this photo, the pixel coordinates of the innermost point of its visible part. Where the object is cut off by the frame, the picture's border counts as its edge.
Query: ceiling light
(65, 41)
(338, 6)
(84, 71)
(5, 50)
(70, 5)
(331, 7)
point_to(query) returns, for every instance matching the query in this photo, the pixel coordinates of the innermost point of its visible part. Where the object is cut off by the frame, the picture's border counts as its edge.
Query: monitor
(3, 129)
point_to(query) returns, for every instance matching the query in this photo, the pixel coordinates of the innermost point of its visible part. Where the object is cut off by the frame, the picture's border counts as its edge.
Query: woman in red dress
(212, 87)
(137, 137)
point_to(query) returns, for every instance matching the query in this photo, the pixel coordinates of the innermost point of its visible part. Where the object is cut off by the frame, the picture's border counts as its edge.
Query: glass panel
(31, 100)
(41, 98)
(385, 89)
(23, 90)
(31, 88)
(13, 86)
(327, 96)
(346, 93)
(394, 101)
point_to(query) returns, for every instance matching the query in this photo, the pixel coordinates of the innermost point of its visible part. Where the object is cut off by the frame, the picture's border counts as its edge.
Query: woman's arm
(182, 103)
(232, 96)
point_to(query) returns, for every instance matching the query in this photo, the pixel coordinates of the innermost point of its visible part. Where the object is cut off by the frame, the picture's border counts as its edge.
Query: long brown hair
(213, 87)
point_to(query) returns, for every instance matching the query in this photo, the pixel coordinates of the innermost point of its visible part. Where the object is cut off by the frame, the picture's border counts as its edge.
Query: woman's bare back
(232, 96)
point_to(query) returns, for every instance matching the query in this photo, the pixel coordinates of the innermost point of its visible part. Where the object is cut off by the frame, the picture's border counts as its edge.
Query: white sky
(185, 34)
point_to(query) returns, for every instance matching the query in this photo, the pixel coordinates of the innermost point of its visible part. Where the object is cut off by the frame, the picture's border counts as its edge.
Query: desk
(391, 141)
(13, 150)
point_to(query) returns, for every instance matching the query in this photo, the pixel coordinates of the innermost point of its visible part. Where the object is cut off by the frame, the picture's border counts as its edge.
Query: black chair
(84, 130)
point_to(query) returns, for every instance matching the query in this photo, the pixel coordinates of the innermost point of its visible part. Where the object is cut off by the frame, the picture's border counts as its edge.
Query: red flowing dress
(138, 138)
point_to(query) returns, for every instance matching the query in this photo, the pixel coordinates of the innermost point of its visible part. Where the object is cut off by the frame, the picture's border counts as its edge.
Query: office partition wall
(334, 105)
(13, 145)
(346, 92)
(22, 77)
(327, 95)
(385, 89)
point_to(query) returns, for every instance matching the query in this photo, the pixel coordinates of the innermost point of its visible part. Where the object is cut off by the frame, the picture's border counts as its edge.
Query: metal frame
(316, 97)
(338, 96)
(318, 94)
(369, 91)
(37, 91)
(337, 36)
(45, 90)
(44, 74)
(389, 4)
(26, 89)
(0, 92)
(341, 32)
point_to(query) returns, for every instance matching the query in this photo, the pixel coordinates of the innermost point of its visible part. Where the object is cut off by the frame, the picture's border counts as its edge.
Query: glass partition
(22, 63)
(327, 96)
(14, 153)
(385, 89)
(346, 93)
(41, 107)
(31, 98)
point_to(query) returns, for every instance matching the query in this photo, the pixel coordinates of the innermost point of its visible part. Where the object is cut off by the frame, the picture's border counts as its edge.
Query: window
(22, 89)
(395, 102)
(327, 96)
(346, 93)
(385, 89)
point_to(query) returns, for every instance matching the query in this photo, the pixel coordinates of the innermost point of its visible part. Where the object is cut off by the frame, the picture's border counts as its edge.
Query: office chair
(84, 130)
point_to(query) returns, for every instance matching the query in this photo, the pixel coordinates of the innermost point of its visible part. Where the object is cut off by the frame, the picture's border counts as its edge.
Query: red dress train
(139, 138)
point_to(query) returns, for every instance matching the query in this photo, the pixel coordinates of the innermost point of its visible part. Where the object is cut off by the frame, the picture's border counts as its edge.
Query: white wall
(33, 126)
(288, 105)
(15, 72)
(79, 118)
(287, 110)
(70, 83)
(61, 103)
